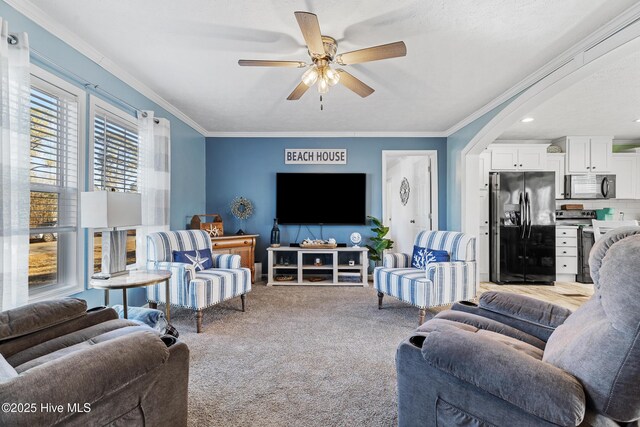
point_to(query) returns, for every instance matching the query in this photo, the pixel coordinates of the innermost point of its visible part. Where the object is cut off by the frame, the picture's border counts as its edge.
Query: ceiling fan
(322, 50)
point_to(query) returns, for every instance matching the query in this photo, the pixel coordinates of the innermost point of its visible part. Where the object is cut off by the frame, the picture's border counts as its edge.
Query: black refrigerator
(522, 228)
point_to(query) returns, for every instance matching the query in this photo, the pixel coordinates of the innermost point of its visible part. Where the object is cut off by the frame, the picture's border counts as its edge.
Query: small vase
(275, 234)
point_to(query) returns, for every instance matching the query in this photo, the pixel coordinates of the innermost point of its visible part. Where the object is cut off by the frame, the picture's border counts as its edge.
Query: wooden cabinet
(625, 167)
(555, 162)
(586, 154)
(512, 157)
(244, 245)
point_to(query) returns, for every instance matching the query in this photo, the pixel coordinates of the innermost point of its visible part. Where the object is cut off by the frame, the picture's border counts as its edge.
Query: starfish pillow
(200, 259)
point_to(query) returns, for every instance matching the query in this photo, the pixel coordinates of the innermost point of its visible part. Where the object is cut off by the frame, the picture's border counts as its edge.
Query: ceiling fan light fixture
(310, 76)
(332, 76)
(323, 86)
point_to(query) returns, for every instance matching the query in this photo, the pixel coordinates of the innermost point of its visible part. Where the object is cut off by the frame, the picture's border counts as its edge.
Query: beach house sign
(315, 156)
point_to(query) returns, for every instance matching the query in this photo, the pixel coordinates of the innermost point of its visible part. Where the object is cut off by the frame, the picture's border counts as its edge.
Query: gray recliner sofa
(517, 361)
(63, 365)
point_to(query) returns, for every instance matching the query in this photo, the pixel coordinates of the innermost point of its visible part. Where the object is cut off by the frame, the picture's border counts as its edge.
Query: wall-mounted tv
(321, 198)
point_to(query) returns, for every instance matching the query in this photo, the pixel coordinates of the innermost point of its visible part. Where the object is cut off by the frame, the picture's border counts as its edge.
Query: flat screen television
(321, 198)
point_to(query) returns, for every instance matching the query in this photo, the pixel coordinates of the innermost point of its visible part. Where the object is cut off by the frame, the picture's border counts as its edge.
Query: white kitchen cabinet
(555, 162)
(504, 158)
(483, 254)
(625, 167)
(484, 209)
(532, 158)
(586, 154)
(515, 157)
(484, 169)
(566, 253)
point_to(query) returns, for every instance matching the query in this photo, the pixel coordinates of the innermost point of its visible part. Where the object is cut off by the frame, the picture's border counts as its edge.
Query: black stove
(576, 214)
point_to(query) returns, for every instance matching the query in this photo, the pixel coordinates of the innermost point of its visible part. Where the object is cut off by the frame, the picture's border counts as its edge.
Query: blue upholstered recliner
(190, 288)
(440, 283)
(513, 360)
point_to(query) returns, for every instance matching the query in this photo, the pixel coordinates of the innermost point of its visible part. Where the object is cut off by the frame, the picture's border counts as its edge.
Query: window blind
(115, 159)
(54, 161)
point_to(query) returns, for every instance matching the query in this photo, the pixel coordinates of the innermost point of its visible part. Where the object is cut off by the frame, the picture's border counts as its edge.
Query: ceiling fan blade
(354, 84)
(262, 63)
(385, 51)
(310, 28)
(298, 92)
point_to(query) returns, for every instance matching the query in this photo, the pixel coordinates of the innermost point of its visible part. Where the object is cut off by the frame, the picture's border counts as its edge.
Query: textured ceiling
(605, 103)
(461, 55)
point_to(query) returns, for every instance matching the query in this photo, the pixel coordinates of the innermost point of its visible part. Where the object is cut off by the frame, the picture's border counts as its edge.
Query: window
(115, 163)
(54, 175)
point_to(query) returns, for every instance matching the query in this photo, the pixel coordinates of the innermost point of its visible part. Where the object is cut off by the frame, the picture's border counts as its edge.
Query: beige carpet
(301, 356)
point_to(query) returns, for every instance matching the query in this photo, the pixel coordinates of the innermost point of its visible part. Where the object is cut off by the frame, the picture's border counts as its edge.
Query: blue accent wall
(247, 167)
(187, 145)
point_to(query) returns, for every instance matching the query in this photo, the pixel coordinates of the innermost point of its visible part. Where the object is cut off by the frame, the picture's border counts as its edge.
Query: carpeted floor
(299, 356)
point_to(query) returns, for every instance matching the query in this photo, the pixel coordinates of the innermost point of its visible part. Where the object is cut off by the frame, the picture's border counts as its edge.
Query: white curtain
(154, 179)
(14, 169)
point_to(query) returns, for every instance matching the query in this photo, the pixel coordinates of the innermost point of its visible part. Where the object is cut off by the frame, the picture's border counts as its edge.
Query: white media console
(346, 266)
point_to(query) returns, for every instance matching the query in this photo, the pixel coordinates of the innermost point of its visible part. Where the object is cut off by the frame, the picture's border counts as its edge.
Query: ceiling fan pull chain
(321, 106)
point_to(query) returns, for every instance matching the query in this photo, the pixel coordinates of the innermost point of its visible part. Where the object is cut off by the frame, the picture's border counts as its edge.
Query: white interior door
(422, 208)
(409, 202)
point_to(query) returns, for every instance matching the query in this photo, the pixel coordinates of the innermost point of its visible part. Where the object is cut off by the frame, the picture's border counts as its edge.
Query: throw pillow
(423, 256)
(200, 259)
(436, 255)
(418, 258)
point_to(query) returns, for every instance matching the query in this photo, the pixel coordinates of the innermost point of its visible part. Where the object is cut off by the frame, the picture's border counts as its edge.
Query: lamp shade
(110, 209)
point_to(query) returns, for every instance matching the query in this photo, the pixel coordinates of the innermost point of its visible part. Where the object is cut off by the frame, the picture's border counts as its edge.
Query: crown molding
(38, 16)
(608, 30)
(340, 134)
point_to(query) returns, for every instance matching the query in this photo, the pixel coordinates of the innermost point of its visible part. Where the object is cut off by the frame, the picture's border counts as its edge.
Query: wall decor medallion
(404, 191)
(242, 209)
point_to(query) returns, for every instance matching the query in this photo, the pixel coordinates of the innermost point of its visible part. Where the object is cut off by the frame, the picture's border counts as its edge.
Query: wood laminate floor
(567, 294)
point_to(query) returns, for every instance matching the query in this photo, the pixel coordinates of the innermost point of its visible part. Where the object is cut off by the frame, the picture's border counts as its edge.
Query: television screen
(321, 198)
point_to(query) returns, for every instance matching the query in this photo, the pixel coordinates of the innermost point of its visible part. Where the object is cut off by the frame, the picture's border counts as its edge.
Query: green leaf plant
(378, 243)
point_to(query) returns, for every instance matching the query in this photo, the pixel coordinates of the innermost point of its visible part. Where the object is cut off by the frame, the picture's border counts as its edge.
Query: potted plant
(378, 242)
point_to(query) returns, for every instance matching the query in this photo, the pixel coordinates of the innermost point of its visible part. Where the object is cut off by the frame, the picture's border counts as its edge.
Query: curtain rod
(12, 39)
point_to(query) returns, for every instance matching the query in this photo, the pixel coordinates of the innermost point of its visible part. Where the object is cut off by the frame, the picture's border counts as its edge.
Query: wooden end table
(135, 279)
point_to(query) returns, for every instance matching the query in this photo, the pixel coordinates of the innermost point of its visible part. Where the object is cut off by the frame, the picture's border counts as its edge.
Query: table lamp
(110, 212)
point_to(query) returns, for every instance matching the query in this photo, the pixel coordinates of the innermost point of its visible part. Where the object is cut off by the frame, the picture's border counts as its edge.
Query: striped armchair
(441, 283)
(190, 288)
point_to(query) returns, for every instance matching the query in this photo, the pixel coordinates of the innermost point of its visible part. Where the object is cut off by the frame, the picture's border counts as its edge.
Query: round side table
(135, 279)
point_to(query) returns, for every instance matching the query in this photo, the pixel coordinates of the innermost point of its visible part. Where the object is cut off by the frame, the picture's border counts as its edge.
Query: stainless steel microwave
(590, 187)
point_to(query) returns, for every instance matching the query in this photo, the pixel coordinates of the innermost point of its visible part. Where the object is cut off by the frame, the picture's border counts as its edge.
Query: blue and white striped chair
(188, 288)
(441, 283)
